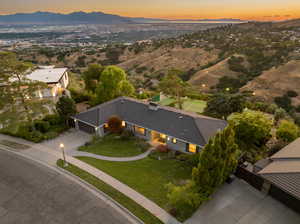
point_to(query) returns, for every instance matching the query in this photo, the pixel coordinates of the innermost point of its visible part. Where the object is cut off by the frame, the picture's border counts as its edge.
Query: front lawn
(116, 146)
(147, 176)
(128, 203)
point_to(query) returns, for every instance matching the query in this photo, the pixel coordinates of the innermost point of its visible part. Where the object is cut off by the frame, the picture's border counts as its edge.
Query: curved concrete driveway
(33, 194)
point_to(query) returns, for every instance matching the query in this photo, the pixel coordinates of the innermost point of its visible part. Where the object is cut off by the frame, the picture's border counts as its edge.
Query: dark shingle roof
(183, 125)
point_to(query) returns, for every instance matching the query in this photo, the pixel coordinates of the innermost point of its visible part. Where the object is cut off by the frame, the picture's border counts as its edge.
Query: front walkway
(76, 153)
(239, 203)
(49, 153)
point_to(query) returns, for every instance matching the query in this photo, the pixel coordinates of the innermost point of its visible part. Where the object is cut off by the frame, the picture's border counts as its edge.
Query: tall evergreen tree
(217, 160)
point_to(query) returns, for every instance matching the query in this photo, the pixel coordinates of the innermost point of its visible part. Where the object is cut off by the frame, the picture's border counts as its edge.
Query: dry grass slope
(277, 81)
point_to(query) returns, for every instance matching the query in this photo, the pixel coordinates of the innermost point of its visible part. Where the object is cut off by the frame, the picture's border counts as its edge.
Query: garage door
(86, 128)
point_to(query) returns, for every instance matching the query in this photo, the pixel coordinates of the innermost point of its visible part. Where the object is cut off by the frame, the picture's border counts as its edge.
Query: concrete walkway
(45, 153)
(76, 153)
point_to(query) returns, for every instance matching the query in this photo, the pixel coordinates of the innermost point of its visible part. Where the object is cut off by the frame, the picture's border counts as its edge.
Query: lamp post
(62, 147)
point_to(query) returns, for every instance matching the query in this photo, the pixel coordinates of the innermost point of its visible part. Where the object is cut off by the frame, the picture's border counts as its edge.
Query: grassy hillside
(277, 81)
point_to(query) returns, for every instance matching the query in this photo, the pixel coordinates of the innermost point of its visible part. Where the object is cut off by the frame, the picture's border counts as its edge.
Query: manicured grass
(128, 203)
(196, 106)
(191, 105)
(114, 146)
(147, 176)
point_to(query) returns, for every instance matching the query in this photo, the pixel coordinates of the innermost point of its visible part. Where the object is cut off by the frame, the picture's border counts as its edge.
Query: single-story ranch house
(179, 130)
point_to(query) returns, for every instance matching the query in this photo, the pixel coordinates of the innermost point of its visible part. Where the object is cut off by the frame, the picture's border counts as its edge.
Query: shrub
(162, 148)
(50, 135)
(115, 124)
(184, 200)
(127, 135)
(287, 131)
(189, 159)
(298, 108)
(144, 146)
(279, 114)
(53, 119)
(284, 102)
(291, 93)
(42, 126)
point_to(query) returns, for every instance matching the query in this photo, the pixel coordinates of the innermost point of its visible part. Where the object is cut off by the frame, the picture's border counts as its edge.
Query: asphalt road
(33, 194)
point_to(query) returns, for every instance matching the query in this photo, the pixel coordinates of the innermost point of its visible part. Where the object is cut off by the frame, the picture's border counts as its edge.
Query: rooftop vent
(153, 106)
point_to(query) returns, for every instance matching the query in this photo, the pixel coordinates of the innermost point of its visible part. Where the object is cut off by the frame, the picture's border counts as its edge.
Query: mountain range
(87, 18)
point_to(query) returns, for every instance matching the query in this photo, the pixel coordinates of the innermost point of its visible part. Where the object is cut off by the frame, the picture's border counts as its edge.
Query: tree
(173, 86)
(217, 161)
(251, 127)
(221, 105)
(113, 83)
(65, 107)
(115, 124)
(91, 76)
(287, 131)
(17, 92)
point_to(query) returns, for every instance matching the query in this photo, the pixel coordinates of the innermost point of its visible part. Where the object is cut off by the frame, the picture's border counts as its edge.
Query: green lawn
(114, 146)
(191, 105)
(128, 203)
(147, 176)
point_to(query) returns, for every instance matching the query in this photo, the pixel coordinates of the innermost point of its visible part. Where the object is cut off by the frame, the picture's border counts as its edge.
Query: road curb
(92, 189)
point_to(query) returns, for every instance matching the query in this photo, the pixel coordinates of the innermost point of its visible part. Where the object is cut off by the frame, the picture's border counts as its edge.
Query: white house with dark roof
(179, 130)
(57, 80)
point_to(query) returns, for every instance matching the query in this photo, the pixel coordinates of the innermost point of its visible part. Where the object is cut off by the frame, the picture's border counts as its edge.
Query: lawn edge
(108, 197)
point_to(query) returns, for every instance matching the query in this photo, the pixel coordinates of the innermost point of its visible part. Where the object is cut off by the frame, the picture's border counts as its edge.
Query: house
(57, 80)
(282, 175)
(179, 130)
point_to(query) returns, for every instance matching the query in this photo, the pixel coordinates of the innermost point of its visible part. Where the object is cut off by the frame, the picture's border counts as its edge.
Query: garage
(86, 127)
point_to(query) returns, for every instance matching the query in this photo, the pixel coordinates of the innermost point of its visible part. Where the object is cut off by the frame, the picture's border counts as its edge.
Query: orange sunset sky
(170, 9)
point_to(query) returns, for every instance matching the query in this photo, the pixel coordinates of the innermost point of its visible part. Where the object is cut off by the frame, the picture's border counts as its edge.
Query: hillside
(288, 23)
(207, 78)
(276, 82)
(164, 59)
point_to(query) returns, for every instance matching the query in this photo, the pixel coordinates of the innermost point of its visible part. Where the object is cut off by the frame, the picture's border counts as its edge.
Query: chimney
(153, 106)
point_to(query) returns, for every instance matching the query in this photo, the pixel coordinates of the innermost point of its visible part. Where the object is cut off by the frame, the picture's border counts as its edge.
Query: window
(140, 130)
(192, 148)
(163, 136)
(123, 124)
(174, 140)
(105, 127)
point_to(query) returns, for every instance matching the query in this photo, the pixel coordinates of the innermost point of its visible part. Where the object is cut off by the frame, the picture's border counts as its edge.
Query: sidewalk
(51, 155)
(76, 153)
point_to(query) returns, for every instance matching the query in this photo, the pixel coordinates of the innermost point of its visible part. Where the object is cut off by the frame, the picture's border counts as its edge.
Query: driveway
(239, 203)
(34, 194)
(72, 139)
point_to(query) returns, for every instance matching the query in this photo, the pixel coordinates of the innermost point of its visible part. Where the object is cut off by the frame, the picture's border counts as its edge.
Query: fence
(251, 178)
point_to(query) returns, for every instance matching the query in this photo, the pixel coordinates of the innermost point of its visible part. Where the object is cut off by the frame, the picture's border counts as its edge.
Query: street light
(62, 147)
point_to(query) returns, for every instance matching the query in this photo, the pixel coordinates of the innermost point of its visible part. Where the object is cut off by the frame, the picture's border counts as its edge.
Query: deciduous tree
(173, 86)
(113, 83)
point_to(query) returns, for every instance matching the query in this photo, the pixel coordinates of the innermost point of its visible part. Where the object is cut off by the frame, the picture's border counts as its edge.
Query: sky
(168, 9)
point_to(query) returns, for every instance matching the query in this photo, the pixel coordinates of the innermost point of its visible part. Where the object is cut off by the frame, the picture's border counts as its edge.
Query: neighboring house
(179, 130)
(57, 80)
(282, 175)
